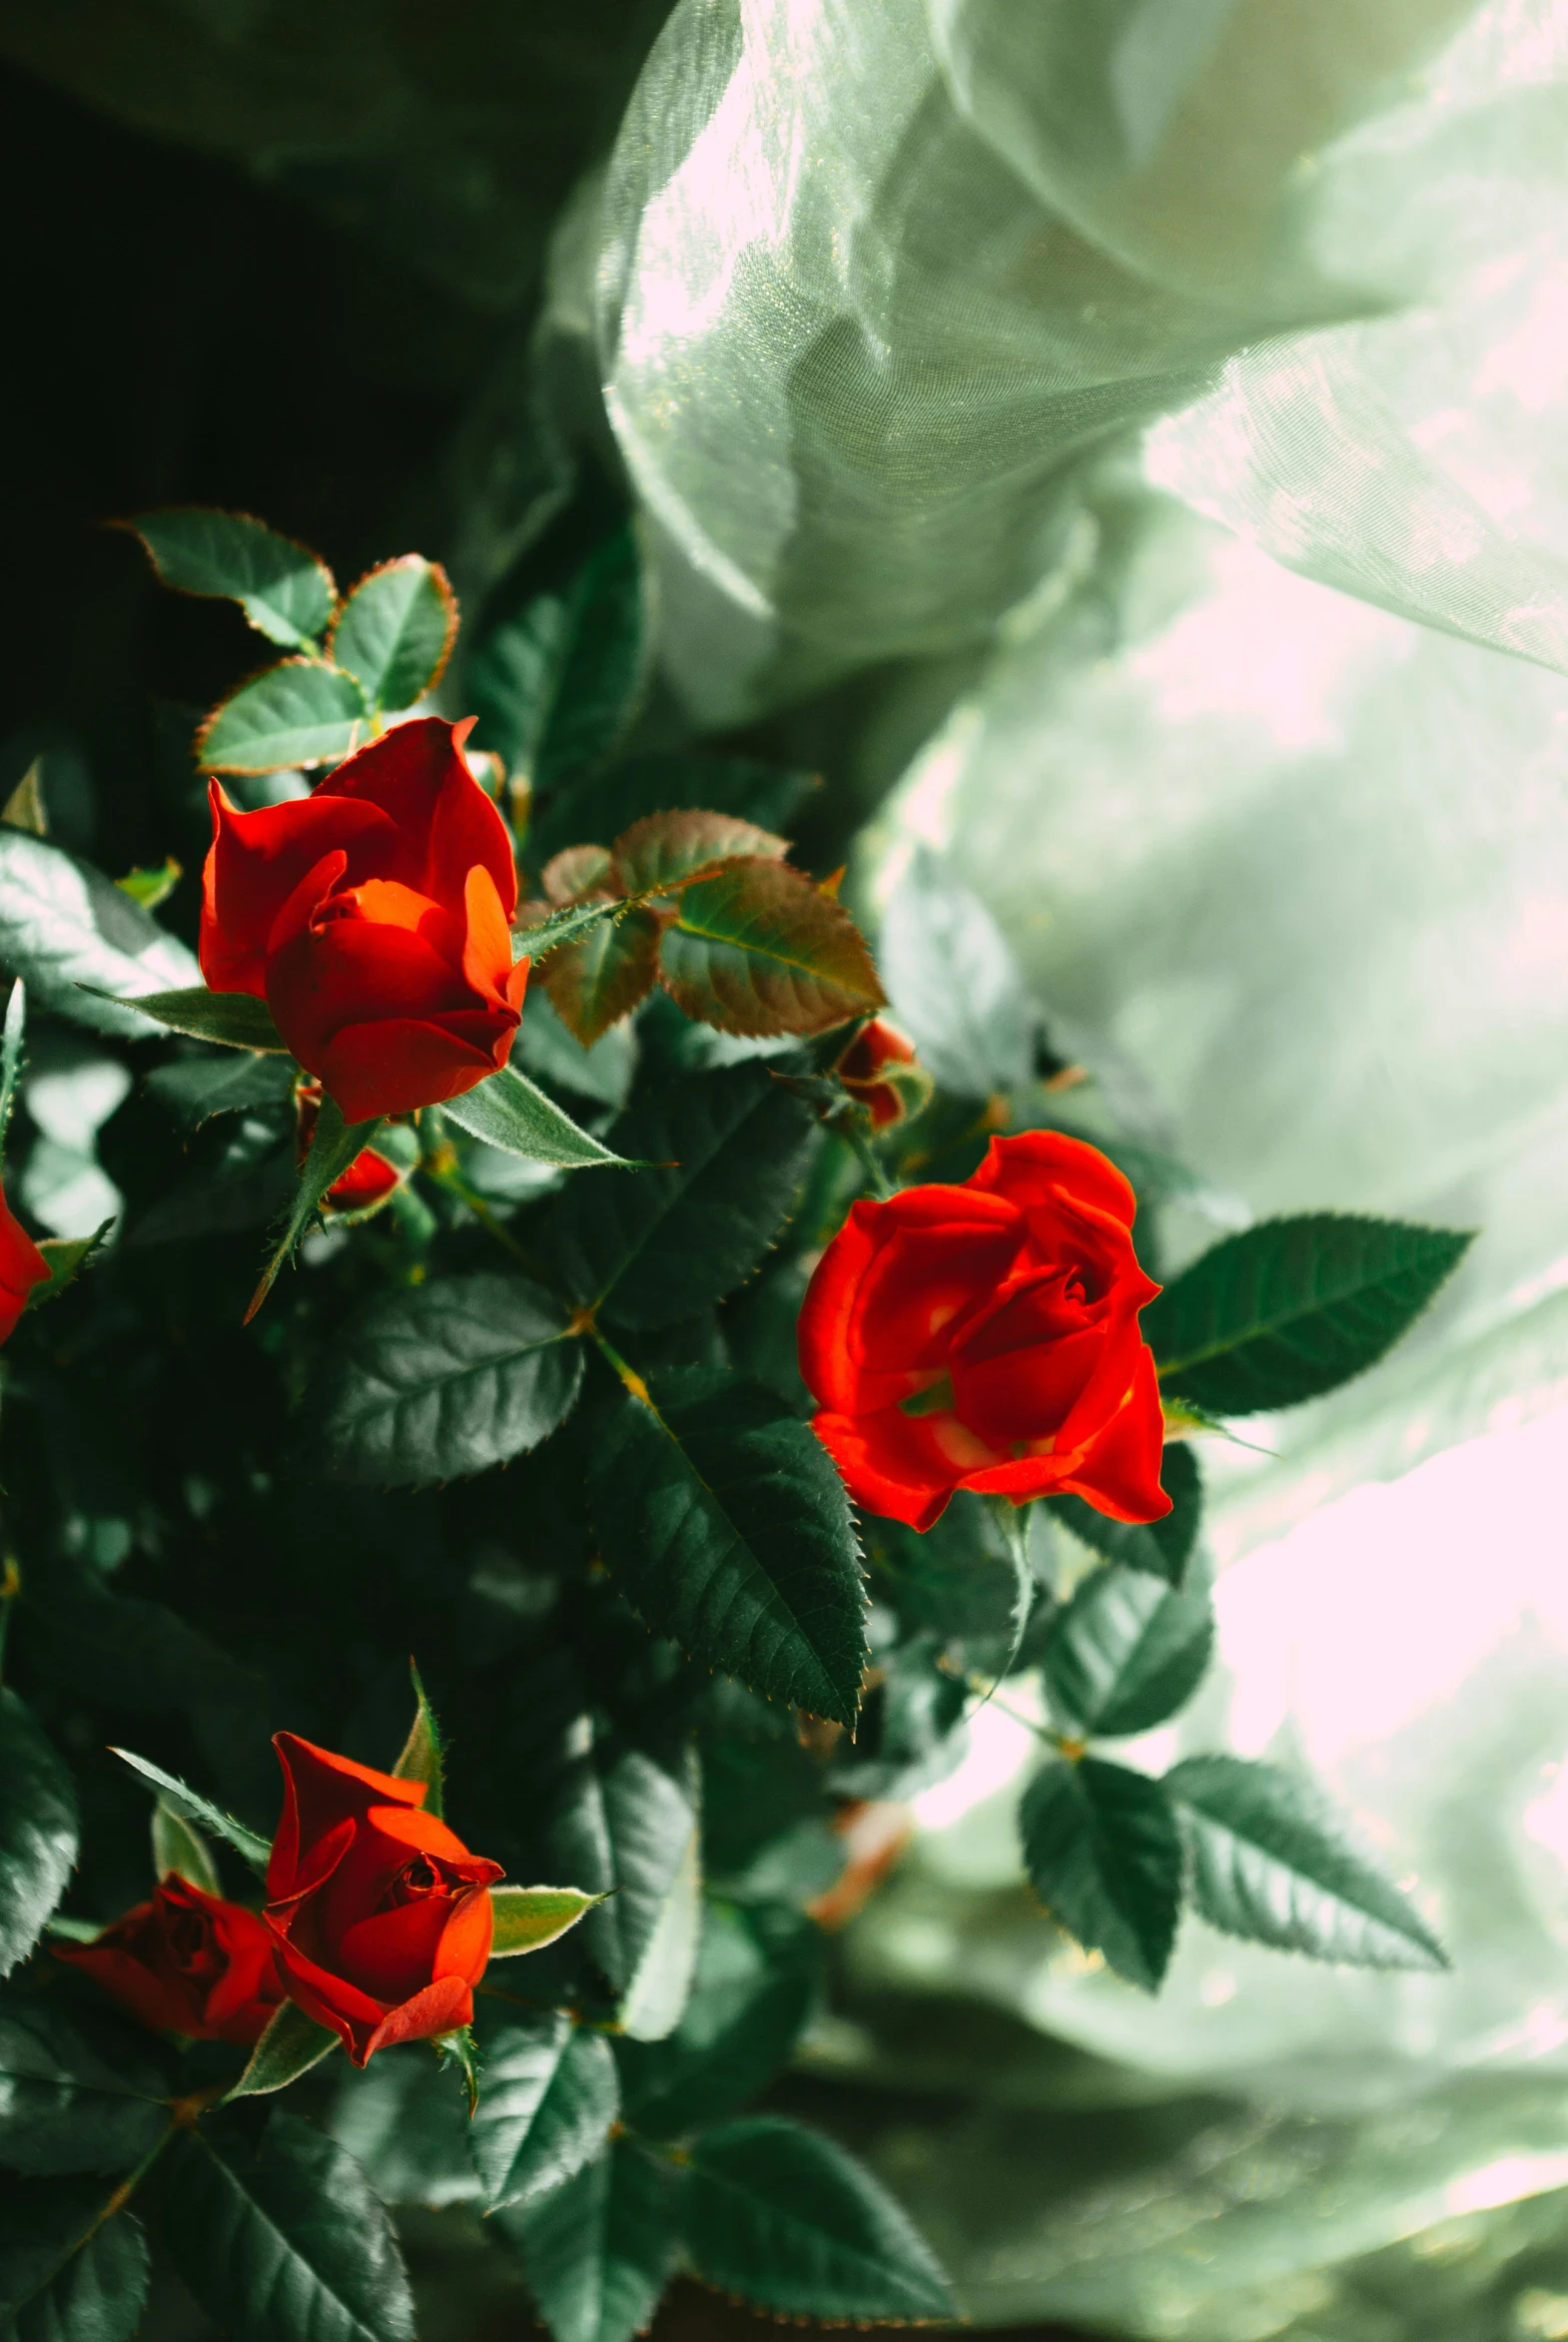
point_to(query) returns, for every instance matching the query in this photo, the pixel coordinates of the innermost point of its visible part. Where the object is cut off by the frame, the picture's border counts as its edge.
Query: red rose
(368, 1180)
(986, 1336)
(881, 1071)
(188, 1962)
(21, 1266)
(373, 918)
(382, 1917)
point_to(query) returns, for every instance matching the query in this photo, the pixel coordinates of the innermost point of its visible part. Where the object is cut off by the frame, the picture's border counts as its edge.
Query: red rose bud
(21, 1266)
(882, 1072)
(188, 1962)
(372, 917)
(985, 1337)
(368, 1180)
(382, 1917)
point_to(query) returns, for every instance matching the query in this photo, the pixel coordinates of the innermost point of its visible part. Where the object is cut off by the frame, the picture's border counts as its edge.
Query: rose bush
(372, 917)
(380, 1914)
(187, 1963)
(21, 1266)
(985, 1337)
(368, 1180)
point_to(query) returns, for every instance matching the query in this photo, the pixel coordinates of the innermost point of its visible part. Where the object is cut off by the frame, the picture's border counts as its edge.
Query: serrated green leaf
(1274, 1862)
(953, 984)
(233, 1018)
(911, 1731)
(507, 1111)
(68, 2274)
(598, 2251)
(66, 1258)
(446, 1378)
(11, 1053)
(197, 1808)
(73, 937)
(396, 631)
(288, 2244)
(651, 1247)
(301, 712)
(788, 2221)
(1163, 1548)
(38, 1831)
(1293, 1307)
(197, 1089)
(333, 1147)
(1127, 1652)
(292, 2044)
(529, 1918)
(1103, 1853)
(549, 2099)
(727, 1528)
(77, 2091)
(593, 984)
(407, 2126)
(629, 1823)
(284, 588)
(179, 1845)
(556, 684)
(560, 927)
(750, 1996)
(420, 1757)
(757, 949)
(665, 848)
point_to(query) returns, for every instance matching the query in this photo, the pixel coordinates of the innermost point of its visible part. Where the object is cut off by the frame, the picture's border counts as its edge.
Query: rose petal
(1119, 1471)
(900, 1466)
(254, 863)
(1035, 1167)
(398, 1063)
(391, 1954)
(320, 1790)
(444, 820)
(465, 1948)
(440, 2009)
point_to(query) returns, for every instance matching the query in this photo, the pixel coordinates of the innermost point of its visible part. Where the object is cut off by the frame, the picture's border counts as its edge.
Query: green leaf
(629, 1823)
(651, 1247)
(197, 1808)
(1127, 1652)
(665, 848)
(400, 2118)
(421, 1758)
(788, 2221)
(750, 1996)
(234, 1019)
(604, 1074)
(73, 937)
(606, 804)
(67, 2274)
(292, 2044)
(550, 2096)
(1274, 1862)
(1293, 1307)
(79, 2090)
(152, 887)
(300, 712)
(179, 1845)
(594, 983)
(507, 1110)
(557, 684)
(24, 809)
(288, 2244)
(11, 1053)
(529, 1918)
(446, 1378)
(197, 1088)
(66, 1258)
(953, 983)
(727, 1528)
(333, 1147)
(562, 926)
(1103, 1853)
(38, 1831)
(284, 588)
(758, 949)
(396, 631)
(598, 2249)
(1163, 1548)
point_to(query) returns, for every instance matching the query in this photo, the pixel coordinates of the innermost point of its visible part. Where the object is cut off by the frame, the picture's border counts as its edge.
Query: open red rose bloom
(985, 1337)
(188, 1962)
(381, 1917)
(374, 918)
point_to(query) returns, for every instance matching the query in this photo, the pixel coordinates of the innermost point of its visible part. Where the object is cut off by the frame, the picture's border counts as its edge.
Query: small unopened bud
(882, 1072)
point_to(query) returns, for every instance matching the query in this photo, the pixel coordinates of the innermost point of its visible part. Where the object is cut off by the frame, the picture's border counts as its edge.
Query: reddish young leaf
(594, 983)
(663, 847)
(757, 949)
(574, 871)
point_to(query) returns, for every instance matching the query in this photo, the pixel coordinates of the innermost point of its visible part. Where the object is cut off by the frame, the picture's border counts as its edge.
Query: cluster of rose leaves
(970, 1333)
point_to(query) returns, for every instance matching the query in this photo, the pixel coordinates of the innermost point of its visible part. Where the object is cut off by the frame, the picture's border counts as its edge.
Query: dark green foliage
(284, 589)
(286, 2243)
(1293, 1307)
(38, 1831)
(80, 2090)
(1127, 1652)
(74, 937)
(598, 2248)
(787, 2221)
(396, 631)
(752, 1990)
(1162, 1547)
(508, 1112)
(551, 2096)
(626, 1827)
(1103, 1854)
(727, 1526)
(556, 684)
(70, 2271)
